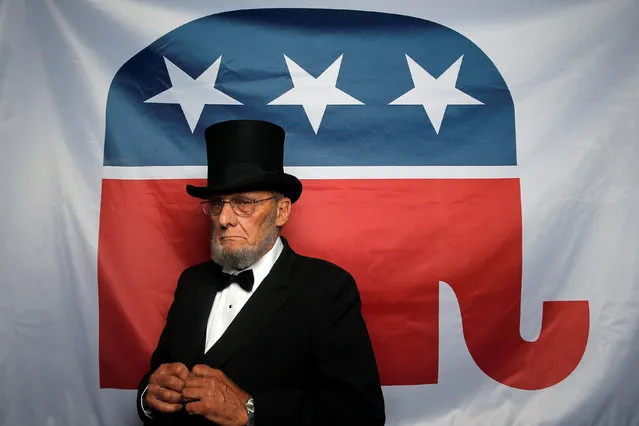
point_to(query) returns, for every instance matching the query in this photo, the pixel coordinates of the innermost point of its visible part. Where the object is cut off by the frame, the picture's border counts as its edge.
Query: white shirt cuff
(147, 412)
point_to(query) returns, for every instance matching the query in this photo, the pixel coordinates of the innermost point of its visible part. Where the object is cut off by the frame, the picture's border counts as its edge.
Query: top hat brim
(288, 185)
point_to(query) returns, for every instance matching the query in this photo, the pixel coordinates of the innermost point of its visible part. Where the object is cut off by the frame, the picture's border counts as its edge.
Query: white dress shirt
(230, 301)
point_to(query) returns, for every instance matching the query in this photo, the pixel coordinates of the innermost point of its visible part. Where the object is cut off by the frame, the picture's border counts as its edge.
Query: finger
(163, 394)
(170, 382)
(178, 369)
(187, 400)
(197, 407)
(197, 382)
(202, 370)
(164, 407)
(175, 369)
(193, 394)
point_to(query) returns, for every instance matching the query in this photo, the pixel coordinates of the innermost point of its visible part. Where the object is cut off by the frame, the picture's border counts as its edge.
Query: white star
(314, 94)
(435, 94)
(193, 94)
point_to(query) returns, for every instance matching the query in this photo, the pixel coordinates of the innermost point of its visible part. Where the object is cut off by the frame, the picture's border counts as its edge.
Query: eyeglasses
(242, 206)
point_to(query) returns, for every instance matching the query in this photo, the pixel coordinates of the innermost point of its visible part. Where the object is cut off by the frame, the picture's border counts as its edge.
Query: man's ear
(283, 211)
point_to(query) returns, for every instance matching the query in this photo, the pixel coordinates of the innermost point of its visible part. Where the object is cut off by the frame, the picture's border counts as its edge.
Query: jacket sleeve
(346, 389)
(160, 356)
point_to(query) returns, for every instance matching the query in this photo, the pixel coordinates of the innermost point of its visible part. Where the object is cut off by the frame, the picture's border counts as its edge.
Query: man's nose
(227, 216)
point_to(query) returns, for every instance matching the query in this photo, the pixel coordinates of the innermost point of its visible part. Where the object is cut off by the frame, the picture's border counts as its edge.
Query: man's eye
(243, 202)
(217, 203)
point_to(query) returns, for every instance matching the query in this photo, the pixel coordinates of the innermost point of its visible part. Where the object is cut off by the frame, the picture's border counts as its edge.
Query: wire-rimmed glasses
(241, 205)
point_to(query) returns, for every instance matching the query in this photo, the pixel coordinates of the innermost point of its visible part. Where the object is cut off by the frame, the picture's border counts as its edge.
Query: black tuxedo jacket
(299, 346)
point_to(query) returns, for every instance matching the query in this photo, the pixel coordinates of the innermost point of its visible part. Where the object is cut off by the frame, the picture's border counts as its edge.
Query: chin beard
(244, 257)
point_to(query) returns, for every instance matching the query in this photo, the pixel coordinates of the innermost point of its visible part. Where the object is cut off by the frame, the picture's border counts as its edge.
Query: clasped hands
(203, 390)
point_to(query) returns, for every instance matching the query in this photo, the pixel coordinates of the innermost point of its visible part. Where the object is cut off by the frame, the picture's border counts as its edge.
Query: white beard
(240, 259)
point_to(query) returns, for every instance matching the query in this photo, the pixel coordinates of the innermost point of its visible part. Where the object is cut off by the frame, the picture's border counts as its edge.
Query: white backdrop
(573, 70)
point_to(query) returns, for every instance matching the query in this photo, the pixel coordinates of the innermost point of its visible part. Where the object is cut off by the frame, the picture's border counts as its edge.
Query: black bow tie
(244, 279)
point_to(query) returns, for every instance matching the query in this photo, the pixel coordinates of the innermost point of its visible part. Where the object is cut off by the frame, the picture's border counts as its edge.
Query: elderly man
(260, 335)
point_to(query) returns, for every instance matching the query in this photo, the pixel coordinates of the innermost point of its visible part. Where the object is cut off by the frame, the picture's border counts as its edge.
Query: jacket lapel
(267, 299)
(201, 301)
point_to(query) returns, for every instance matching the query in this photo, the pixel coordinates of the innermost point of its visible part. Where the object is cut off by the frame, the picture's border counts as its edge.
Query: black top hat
(246, 155)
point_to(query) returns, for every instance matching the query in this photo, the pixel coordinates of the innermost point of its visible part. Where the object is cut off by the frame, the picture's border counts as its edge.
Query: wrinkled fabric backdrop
(473, 165)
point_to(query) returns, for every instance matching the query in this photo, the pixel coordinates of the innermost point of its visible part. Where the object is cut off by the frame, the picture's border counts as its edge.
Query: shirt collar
(262, 267)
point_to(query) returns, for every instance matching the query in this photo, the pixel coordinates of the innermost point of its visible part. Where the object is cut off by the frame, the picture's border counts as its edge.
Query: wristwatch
(250, 410)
